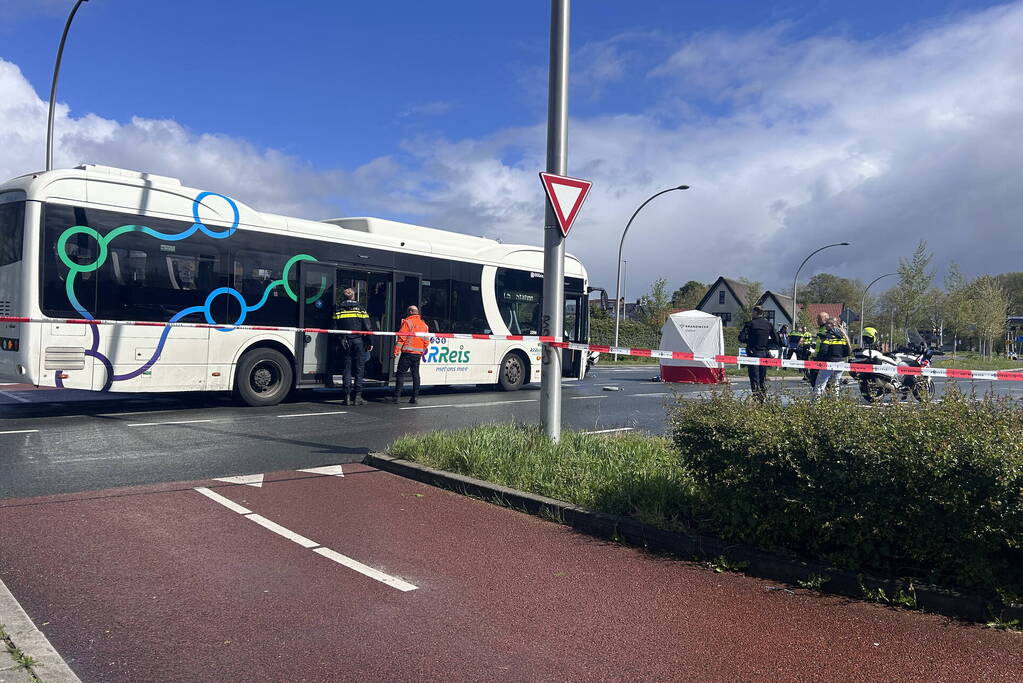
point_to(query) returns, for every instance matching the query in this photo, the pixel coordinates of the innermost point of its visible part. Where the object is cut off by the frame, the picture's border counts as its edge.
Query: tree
(754, 290)
(887, 313)
(825, 288)
(1012, 283)
(656, 305)
(914, 283)
(933, 311)
(688, 295)
(990, 307)
(957, 305)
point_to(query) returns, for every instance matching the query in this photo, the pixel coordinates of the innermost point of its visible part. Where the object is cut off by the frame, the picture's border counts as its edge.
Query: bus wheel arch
(514, 371)
(264, 374)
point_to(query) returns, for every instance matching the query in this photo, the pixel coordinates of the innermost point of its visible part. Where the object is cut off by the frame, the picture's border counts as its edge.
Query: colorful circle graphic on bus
(206, 308)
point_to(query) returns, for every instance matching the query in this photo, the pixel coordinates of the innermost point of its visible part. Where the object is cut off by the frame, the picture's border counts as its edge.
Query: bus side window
(467, 316)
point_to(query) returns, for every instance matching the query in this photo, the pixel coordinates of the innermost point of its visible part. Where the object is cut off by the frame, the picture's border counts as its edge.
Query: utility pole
(554, 241)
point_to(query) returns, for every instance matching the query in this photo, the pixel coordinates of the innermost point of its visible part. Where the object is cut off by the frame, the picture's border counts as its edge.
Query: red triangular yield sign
(566, 196)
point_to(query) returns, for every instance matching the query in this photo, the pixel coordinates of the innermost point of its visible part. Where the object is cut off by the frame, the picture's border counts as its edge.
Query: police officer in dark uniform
(759, 337)
(351, 349)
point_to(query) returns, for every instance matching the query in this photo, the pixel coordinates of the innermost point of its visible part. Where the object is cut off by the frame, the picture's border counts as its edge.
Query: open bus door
(317, 295)
(576, 328)
(384, 295)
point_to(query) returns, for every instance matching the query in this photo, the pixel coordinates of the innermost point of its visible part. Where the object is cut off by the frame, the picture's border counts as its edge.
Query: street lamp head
(843, 244)
(682, 187)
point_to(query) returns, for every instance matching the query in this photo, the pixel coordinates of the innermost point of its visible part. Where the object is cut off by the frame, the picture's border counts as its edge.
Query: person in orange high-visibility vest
(409, 350)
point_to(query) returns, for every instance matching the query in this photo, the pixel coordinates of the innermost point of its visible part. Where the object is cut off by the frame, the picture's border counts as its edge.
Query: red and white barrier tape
(951, 373)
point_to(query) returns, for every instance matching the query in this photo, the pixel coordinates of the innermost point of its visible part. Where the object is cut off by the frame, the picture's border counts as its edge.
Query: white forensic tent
(698, 333)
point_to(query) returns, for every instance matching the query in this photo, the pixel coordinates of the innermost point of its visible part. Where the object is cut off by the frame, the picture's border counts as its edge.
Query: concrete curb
(774, 566)
(51, 667)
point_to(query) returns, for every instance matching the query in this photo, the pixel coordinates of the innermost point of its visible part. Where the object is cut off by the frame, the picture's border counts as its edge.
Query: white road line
(392, 581)
(21, 431)
(175, 422)
(660, 393)
(333, 412)
(443, 405)
(226, 502)
(281, 531)
(582, 398)
(472, 405)
(141, 412)
(16, 398)
(344, 560)
(608, 431)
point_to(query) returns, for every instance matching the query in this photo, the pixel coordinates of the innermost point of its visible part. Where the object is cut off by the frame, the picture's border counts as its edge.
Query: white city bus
(109, 244)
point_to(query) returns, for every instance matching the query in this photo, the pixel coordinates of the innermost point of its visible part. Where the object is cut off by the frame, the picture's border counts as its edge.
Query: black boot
(345, 401)
(413, 399)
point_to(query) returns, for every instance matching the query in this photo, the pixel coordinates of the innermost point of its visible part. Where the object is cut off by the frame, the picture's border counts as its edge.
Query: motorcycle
(876, 385)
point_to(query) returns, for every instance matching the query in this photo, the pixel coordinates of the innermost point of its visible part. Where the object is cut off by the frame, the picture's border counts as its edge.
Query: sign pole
(554, 241)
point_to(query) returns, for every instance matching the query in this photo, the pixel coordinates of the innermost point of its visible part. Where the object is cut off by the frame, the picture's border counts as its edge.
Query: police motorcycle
(876, 385)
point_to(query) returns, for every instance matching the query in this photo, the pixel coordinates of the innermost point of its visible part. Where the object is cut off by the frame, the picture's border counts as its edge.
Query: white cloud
(265, 178)
(799, 143)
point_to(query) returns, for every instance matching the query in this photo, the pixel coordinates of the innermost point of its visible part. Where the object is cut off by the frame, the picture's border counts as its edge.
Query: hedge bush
(630, 333)
(932, 491)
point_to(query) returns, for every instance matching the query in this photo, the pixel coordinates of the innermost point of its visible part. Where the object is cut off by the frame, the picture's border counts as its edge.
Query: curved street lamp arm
(53, 86)
(621, 244)
(796, 278)
(863, 301)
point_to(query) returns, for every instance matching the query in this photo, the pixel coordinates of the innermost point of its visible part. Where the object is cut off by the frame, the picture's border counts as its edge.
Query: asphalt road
(62, 441)
(373, 577)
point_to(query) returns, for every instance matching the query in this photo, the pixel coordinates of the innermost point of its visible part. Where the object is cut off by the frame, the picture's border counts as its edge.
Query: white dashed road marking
(470, 405)
(333, 412)
(344, 560)
(365, 570)
(175, 422)
(21, 431)
(608, 431)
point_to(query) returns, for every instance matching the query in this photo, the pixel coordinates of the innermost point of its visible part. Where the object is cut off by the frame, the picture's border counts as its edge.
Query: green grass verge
(974, 361)
(626, 474)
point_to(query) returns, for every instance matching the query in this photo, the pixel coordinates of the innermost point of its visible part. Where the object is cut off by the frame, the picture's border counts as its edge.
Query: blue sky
(382, 107)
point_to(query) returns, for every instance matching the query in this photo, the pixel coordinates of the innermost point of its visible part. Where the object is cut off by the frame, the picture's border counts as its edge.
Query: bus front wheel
(264, 377)
(513, 372)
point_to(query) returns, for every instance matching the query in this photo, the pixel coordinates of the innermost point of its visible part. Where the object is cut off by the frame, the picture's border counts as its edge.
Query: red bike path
(163, 583)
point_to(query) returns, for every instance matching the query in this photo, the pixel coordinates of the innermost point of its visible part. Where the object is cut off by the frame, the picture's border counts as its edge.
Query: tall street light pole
(621, 244)
(554, 241)
(795, 280)
(53, 86)
(863, 301)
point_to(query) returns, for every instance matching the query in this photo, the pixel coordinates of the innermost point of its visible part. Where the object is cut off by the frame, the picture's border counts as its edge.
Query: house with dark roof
(726, 298)
(777, 308)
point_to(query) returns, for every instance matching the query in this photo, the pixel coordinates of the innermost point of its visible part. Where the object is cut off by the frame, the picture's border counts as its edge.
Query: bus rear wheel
(513, 372)
(264, 377)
